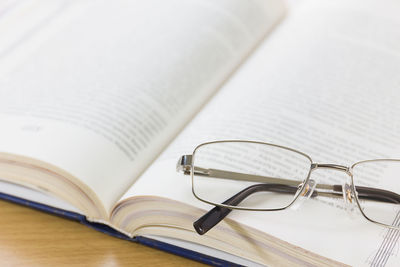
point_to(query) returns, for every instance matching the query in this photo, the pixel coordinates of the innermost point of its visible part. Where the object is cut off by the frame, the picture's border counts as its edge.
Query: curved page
(99, 88)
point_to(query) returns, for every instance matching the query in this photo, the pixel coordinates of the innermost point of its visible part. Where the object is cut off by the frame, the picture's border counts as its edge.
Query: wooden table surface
(32, 238)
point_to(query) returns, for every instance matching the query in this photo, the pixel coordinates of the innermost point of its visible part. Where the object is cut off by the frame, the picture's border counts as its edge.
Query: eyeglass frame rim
(313, 166)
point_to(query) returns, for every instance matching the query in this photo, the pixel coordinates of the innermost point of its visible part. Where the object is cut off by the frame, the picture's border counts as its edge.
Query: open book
(98, 100)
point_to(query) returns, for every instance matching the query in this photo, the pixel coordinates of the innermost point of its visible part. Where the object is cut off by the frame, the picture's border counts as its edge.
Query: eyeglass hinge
(184, 164)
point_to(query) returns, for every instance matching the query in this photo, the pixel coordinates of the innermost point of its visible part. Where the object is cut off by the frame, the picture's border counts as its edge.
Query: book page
(325, 83)
(98, 88)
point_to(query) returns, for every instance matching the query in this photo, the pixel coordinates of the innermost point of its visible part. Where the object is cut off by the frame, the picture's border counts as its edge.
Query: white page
(325, 83)
(98, 88)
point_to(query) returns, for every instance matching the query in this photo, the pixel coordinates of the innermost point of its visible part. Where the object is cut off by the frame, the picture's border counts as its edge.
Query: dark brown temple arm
(376, 194)
(217, 214)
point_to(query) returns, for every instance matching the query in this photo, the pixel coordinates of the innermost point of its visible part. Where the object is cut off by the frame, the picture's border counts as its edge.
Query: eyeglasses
(257, 176)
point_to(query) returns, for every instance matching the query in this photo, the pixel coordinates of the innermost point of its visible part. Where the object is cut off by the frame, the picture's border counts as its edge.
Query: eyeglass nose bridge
(348, 193)
(337, 167)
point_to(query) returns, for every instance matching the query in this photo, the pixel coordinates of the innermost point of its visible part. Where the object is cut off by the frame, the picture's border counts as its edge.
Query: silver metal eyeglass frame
(185, 165)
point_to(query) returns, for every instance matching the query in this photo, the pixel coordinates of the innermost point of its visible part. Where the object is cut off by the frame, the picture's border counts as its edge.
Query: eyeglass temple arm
(217, 214)
(185, 166)
(185, 163)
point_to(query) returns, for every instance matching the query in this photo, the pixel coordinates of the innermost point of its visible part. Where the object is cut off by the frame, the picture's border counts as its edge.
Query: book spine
(38, 206)
(190, 254)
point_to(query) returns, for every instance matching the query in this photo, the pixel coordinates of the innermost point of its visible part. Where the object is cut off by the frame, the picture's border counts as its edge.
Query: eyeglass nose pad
(349, 203)
(306, 192)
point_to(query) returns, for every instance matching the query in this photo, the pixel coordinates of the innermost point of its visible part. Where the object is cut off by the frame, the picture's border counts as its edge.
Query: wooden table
(32, 238)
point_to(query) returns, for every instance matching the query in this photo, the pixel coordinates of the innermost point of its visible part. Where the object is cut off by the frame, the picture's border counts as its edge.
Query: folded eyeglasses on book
(257, 176)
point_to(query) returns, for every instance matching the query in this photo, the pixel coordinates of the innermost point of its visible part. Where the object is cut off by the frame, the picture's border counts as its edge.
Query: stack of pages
(98, 99)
